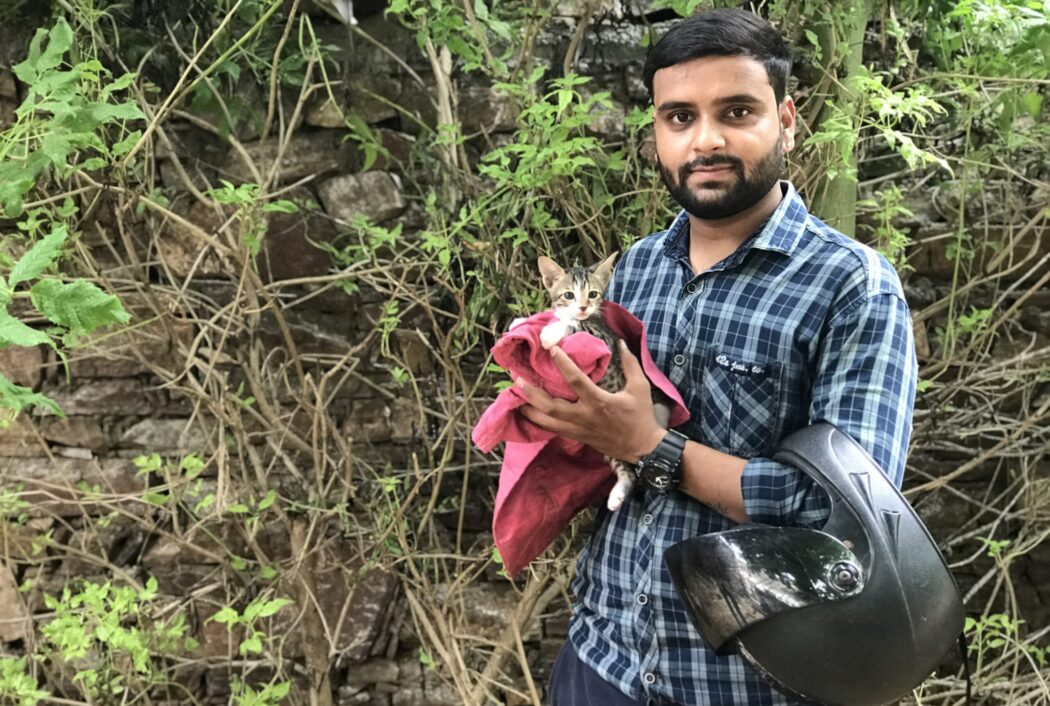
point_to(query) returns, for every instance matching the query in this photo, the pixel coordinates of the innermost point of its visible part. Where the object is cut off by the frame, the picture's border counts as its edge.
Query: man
(766, 320)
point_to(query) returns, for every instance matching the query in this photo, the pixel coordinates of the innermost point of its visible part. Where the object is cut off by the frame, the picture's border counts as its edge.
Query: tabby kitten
(577, 295)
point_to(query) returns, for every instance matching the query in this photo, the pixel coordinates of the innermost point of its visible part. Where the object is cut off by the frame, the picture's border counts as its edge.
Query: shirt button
(647, 519)
(642, 599)
(691, 287)
(679, 359)
(649, 678)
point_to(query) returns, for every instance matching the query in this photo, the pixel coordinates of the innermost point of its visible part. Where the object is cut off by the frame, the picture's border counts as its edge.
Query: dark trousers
(573, 683)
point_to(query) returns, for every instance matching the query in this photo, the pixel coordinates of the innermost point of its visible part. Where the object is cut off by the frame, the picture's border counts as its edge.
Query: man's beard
(742, 193)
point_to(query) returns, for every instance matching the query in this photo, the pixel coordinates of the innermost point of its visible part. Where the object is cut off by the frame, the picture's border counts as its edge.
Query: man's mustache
(712, 161)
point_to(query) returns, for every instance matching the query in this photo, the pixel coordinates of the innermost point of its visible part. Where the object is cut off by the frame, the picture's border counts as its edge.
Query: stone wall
(124, 395)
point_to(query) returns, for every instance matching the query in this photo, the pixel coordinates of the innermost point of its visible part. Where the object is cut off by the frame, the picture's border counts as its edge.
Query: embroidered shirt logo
(740, 367)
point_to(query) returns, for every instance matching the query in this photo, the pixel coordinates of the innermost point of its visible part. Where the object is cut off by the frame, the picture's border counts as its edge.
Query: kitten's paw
(618, 495)
(552, 334)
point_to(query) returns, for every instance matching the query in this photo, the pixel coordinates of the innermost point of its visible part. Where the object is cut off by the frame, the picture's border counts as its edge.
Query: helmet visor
(731, 580)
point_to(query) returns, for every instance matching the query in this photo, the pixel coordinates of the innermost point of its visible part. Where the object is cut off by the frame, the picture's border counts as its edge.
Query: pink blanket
(546, 479)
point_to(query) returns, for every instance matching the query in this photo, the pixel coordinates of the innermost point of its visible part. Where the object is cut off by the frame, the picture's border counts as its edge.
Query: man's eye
(739, 112)
(684, 118)
(567, 296)
(593, 294)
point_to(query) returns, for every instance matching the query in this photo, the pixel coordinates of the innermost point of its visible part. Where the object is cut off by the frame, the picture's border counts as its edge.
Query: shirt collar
(781, 232)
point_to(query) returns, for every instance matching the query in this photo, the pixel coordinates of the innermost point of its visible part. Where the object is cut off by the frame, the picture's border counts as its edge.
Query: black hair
(722, 32)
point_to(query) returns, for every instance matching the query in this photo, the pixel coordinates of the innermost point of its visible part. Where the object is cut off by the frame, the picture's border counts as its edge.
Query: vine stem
(180, 91)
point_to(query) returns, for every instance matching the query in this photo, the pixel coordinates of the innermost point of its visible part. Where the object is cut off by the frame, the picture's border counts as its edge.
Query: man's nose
(708, 136)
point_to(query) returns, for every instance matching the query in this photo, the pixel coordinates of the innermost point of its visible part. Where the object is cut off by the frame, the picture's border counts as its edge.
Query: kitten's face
(576, 293)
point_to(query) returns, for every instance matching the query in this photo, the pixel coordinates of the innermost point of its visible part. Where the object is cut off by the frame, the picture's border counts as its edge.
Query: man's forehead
(712, 79)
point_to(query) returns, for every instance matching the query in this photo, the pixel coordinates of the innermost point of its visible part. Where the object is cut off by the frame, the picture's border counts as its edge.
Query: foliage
(259, 608)
(268, 695)
(943, 130)
(62, 126)
(467, 30)
(16, 685)
(245, 197)
(887, 207)
(106, 637)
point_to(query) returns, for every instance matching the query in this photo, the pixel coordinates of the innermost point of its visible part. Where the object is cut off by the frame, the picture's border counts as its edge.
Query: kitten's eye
(567, 296)
(593, 294)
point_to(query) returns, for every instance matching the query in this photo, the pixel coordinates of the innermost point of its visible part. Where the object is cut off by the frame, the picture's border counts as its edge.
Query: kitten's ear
(550, 271)
(603, 270)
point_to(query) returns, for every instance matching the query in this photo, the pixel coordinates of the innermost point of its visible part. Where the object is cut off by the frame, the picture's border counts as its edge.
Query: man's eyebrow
(674, 105)
(738, 98)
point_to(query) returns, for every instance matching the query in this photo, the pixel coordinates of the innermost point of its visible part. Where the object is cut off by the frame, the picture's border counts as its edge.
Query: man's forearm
(713, 478)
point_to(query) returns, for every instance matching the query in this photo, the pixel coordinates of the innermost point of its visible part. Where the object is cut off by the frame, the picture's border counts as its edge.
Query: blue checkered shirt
(800, 324)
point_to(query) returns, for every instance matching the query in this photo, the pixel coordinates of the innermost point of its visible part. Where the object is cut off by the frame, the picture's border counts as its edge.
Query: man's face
(720, 135)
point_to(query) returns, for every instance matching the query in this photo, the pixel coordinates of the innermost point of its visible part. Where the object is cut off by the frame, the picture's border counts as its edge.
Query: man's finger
(574, 377)
(535, 396)
(541, 400)
(633, 374)
(544, 420)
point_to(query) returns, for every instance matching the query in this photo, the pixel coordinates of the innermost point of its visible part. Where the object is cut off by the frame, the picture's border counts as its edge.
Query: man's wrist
(661, 470)
(653, 440)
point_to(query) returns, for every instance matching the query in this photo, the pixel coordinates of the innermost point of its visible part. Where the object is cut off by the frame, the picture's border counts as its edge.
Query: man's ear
(787, 116)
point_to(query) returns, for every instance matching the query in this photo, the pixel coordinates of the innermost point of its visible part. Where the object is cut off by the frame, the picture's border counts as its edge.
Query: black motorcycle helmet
(855, 614)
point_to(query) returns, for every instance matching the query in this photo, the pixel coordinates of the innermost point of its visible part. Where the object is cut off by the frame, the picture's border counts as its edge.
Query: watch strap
(671, 447)
(661, 469)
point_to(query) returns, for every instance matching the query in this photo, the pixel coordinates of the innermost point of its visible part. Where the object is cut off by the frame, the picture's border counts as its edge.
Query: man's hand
(620, 425)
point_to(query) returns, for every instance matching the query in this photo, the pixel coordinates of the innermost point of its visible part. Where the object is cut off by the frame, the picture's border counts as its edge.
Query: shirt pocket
(740, 403)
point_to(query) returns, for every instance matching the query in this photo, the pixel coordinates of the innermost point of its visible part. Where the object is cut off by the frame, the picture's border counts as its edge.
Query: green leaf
(149, 592)
(118, 84)
(15, 333)
(268, 499)
(80, 306)
(104, 112)
(253, 645)
(281, 206)
(1033, 104)
(39, 257)
(147, 464)
(426, 660)
(60, 39)
(92, 163)
(127, 144)
(205, 503)
(225, 615)
(191, 465)
(16, 398)
(271, 607)
(57, 148)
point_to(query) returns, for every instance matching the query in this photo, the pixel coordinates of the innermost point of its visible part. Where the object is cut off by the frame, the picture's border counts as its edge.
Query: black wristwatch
(661, 470)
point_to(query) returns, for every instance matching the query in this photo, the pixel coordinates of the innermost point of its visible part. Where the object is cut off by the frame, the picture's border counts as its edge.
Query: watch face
(657, 477)
(660, 480)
